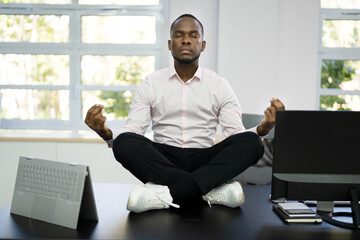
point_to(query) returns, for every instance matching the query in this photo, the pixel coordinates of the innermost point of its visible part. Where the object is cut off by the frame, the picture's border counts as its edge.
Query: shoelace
(208, 201)
(218, 197)
(167, 202)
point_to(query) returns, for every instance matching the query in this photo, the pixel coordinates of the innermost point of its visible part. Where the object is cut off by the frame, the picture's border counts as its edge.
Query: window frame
(335, 53)
(75, 49)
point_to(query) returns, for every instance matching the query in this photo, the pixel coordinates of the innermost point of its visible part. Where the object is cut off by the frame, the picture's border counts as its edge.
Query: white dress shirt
(184, 115)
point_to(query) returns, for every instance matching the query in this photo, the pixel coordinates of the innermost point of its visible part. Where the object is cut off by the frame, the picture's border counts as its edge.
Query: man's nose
(186, 39)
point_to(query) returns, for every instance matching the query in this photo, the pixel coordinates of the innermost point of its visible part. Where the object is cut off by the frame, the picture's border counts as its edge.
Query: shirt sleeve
(230, 114)
(139, 117)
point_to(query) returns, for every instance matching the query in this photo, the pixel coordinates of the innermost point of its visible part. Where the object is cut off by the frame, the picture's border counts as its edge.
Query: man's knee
(123, 146)
(256, 144)
(247, 137)
(254, 139)
(253, 143)
(121, 141)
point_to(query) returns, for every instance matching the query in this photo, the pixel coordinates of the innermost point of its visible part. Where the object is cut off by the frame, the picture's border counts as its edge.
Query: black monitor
(317, 157)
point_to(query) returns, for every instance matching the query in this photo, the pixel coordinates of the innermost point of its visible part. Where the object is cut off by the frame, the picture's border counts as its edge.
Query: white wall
(268, 48)
(298, 49)
(264, 48)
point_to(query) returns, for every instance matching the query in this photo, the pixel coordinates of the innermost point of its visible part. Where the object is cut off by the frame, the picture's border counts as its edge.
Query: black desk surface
(254, 220)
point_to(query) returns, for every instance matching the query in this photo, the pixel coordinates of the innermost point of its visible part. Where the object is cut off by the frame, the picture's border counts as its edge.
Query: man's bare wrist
(105, 134)
(261, 131)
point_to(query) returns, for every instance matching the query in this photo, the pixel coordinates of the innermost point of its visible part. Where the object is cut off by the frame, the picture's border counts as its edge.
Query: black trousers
(188, 172)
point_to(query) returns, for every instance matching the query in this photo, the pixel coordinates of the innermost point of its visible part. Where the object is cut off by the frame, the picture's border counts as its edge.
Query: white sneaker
(149, 197)
(229, 194)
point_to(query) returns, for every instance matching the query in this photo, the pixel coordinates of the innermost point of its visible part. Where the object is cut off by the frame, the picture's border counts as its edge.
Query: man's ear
(203, 45)
(169, 45)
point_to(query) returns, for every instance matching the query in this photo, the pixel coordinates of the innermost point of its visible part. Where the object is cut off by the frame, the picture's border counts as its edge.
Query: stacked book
(296, 212)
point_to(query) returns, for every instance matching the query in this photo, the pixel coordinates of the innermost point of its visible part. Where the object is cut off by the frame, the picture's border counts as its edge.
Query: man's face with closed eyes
(186, 42)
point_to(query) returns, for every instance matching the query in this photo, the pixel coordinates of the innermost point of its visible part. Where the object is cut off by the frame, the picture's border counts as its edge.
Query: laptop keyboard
(52, 182)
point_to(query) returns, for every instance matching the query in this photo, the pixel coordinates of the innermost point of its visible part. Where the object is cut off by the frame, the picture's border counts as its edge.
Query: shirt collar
(173, 73)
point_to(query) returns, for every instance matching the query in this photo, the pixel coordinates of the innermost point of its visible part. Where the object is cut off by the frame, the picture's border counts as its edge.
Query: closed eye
(195, 35)
(178, 34)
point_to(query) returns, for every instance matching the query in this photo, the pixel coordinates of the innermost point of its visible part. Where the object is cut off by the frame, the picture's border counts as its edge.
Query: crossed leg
(188, 172)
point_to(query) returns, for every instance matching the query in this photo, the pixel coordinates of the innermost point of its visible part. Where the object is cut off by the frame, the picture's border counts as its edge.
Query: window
(59, 57)
(339, 55)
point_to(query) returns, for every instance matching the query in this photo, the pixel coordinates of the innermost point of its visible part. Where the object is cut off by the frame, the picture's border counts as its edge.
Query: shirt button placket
(183, 113)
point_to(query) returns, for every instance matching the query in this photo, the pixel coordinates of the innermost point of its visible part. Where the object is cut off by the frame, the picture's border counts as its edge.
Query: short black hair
(190, 16)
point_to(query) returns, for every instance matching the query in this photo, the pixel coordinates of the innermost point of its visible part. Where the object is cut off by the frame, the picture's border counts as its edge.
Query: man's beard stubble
(186, 61)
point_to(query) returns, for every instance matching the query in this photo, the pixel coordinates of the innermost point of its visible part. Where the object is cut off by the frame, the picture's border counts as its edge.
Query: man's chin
(186, 60)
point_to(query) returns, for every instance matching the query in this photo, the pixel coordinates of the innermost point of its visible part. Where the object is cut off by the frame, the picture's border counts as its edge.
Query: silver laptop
(54, 192)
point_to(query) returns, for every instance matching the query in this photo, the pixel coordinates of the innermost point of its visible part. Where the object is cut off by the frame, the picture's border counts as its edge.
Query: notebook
(287, 219)
(296, 209)
(54, 192)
